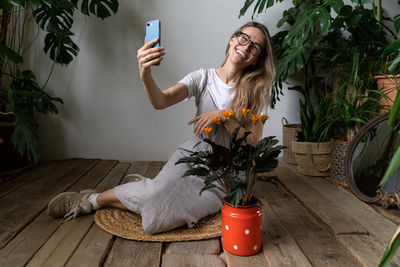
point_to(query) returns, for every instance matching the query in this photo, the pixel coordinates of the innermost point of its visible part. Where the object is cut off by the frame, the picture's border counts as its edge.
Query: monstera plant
(21, 95)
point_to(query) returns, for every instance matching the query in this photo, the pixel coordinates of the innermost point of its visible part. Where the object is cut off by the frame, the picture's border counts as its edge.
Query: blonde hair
(252, 88)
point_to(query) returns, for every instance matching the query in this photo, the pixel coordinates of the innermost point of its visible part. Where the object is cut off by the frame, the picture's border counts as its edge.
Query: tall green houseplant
(20, 93)
(325, 37)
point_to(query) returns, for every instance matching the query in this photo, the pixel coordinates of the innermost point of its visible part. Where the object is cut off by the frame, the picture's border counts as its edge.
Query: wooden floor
(306, 222)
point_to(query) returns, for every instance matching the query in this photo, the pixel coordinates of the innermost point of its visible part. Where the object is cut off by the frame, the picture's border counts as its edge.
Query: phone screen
(153, 31)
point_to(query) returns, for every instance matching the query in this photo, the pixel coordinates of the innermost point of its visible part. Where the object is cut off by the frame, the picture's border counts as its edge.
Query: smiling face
(240, 54)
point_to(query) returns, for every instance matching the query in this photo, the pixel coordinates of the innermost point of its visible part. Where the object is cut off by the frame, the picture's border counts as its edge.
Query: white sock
(93, 200)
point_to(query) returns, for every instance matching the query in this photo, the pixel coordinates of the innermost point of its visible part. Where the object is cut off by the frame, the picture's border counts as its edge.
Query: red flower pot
(241, 228)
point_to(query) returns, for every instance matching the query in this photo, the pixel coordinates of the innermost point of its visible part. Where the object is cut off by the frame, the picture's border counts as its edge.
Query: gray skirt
(169, 200)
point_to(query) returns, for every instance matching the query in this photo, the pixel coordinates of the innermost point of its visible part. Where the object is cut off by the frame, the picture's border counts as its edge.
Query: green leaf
(393, 166)
(396, 22)
(262, 6)
(5, 4)
(60, 47)
(336, 5)
(362, 2)
(391, 250)
(24, 135)
(325, 19)
(99, 8)
(395, 112)
(17, 2)
(198, 171)
(392, 48)
(246, 6)
(8, 53)
(265, 166)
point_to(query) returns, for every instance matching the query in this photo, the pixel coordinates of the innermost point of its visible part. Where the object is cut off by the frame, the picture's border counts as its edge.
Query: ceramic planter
(313, 159)
(241, 228)
(338, 153)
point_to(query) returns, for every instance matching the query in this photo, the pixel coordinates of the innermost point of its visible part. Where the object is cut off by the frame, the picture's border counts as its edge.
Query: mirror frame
(386, 199)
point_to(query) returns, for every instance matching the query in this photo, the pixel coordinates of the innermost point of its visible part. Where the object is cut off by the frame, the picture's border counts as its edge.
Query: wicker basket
(313, 159)
(289, 132)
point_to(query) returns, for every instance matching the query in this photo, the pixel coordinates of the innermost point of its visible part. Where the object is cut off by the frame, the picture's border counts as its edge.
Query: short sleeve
(194, 82)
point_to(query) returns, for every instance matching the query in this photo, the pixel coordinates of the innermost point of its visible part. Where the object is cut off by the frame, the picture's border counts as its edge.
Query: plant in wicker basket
(234, 169)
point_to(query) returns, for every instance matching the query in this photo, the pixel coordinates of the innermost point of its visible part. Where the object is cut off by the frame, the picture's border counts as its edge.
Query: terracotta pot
(313, 159)
(387, 84)
(241, 228)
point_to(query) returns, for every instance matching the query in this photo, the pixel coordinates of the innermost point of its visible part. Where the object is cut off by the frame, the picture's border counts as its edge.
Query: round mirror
(367, 159)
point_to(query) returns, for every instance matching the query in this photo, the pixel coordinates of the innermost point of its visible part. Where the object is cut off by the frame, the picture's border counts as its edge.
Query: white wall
(106, 112)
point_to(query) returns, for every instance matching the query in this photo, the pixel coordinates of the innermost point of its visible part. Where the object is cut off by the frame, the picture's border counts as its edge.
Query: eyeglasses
(243, 39)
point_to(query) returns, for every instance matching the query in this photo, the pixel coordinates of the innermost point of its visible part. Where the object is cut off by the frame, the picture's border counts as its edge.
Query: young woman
(169, 201)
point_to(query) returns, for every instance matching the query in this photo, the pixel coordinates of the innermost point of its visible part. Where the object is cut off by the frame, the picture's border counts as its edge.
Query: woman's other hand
(204, 120)
(148, 56)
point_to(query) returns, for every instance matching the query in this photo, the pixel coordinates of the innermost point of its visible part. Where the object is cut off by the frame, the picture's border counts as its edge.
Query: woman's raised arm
(148, 56)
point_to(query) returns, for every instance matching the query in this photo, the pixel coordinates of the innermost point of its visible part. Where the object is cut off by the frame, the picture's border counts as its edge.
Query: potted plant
(234, 170)
(302, 49)
(20, 93)
(347, 115)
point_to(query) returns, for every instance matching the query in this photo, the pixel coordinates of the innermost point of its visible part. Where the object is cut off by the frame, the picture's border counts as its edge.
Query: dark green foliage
(24, 96)
(233, 170)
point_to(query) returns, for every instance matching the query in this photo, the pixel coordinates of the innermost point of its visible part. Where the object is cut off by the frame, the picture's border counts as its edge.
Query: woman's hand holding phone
(148, 56)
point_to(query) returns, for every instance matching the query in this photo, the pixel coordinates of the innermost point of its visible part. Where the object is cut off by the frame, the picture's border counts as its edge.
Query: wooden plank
(201, 247)
(367, 249)
(95, 245)
(154, 168)
(19, 214)
(328, 211)
(93, 249)
(146, 253)
(25, 244)
(31, 175)
(279, 248)
(320, 247)
(139, 167)
(257, 260)
(182, 260)
(133, 253)
(60, 246)
(381, 227)
(21, 194)
(21, 249)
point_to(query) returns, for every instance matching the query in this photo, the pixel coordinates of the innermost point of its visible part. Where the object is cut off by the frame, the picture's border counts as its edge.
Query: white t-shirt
(220, 92)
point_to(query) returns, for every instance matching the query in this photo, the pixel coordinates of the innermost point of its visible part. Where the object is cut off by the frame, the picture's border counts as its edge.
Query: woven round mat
(128, 225)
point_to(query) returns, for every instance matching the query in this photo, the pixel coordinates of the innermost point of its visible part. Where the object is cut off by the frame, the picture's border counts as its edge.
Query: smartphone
(153, 31)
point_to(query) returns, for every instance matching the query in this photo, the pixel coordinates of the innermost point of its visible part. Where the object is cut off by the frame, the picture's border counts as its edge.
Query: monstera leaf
(100, 8)
(60, 47)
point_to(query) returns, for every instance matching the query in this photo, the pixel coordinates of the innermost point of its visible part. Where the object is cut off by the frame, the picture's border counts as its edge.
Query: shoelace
(74, 208)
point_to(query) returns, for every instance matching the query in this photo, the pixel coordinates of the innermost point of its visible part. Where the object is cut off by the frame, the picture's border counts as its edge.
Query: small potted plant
(235, 170)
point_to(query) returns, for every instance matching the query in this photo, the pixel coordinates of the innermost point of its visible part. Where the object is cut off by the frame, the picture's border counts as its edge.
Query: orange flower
(264, 118)
(228, 114)
(245, 111)
(217, 120)
(255, 118)
(207, 130)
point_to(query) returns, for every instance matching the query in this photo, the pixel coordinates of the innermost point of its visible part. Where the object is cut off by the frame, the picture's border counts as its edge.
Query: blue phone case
(153, 31)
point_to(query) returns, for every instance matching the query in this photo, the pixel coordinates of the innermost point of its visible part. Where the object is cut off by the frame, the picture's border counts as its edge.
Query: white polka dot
(255, 247)
(247, 231)
(235, 247)
(226, 227)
